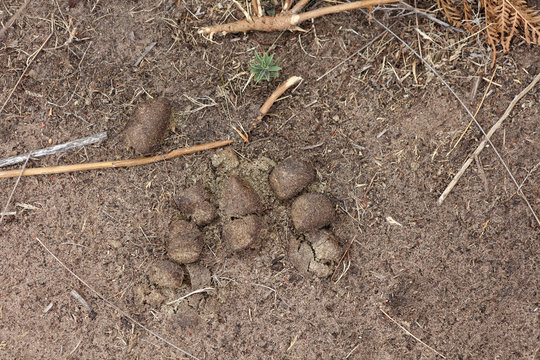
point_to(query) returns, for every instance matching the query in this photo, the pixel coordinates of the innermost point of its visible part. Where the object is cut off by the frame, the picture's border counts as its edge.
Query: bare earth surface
(379, 129)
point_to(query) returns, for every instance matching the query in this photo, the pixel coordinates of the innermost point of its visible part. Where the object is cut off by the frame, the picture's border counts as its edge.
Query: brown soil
(462, 277)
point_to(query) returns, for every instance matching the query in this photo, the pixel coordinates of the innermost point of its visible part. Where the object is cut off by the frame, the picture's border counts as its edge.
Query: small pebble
(238, 198)
(242, 233)
(311, 212)
(290, 177)
(167, 274)
(149, 125)
(185, 244)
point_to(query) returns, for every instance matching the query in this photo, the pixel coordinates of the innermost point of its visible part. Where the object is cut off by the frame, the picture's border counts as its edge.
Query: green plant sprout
(264, 67)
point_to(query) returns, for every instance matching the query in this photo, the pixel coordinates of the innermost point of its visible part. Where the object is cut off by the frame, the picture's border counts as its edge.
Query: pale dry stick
(488, 140)
(13, 18)
(287, 21)
(276, 94)
(198, 291)
(4, 212)
(28, 63)
(109, 303)
(410, 334)
(54, 149)
(117, 163)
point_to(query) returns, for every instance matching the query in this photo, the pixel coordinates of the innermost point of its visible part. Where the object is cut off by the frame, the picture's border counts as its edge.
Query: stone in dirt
(167, 274)
(184, 244)
(290, 177)
(149, 125)
(311, 212)
(242, 233)
(238, 198)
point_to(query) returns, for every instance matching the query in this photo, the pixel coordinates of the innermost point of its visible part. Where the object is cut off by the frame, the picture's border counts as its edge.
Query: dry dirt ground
(379, 128)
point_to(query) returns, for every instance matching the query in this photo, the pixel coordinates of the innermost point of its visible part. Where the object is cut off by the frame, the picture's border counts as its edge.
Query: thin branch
(276, 94)
(54, 149)
(115, 164)
(464, 107)
(287, 21)
(487, 138)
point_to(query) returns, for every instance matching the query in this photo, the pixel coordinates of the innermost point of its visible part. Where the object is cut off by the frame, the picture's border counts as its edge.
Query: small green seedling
(264, 67)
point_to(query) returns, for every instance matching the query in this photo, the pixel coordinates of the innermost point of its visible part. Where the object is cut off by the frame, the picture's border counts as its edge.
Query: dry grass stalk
(485, 141)
(114, 164)
(287, 20)
(488, 140)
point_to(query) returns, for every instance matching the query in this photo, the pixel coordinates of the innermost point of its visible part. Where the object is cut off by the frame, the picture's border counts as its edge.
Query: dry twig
(115, 164)
(286, 20)
(486, 140)
(276, 94)
(28, 63)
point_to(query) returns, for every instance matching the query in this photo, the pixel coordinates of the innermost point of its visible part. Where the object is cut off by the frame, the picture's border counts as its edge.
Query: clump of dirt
(194, 203)
(149, 125)
(238, 198)
(317, 253)
(311, 212)
(240, 234)
(290, 177)
(184, 245)
(166, 274)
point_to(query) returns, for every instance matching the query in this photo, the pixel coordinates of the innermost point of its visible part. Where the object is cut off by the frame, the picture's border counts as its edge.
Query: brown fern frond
(451, 11)
(504, 19)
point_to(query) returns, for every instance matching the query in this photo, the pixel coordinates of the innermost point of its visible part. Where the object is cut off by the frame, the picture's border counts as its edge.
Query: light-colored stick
(286, 20)
(115, 164)
(485, 141)
(54, 149)
(276, 94)
(427, 64)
